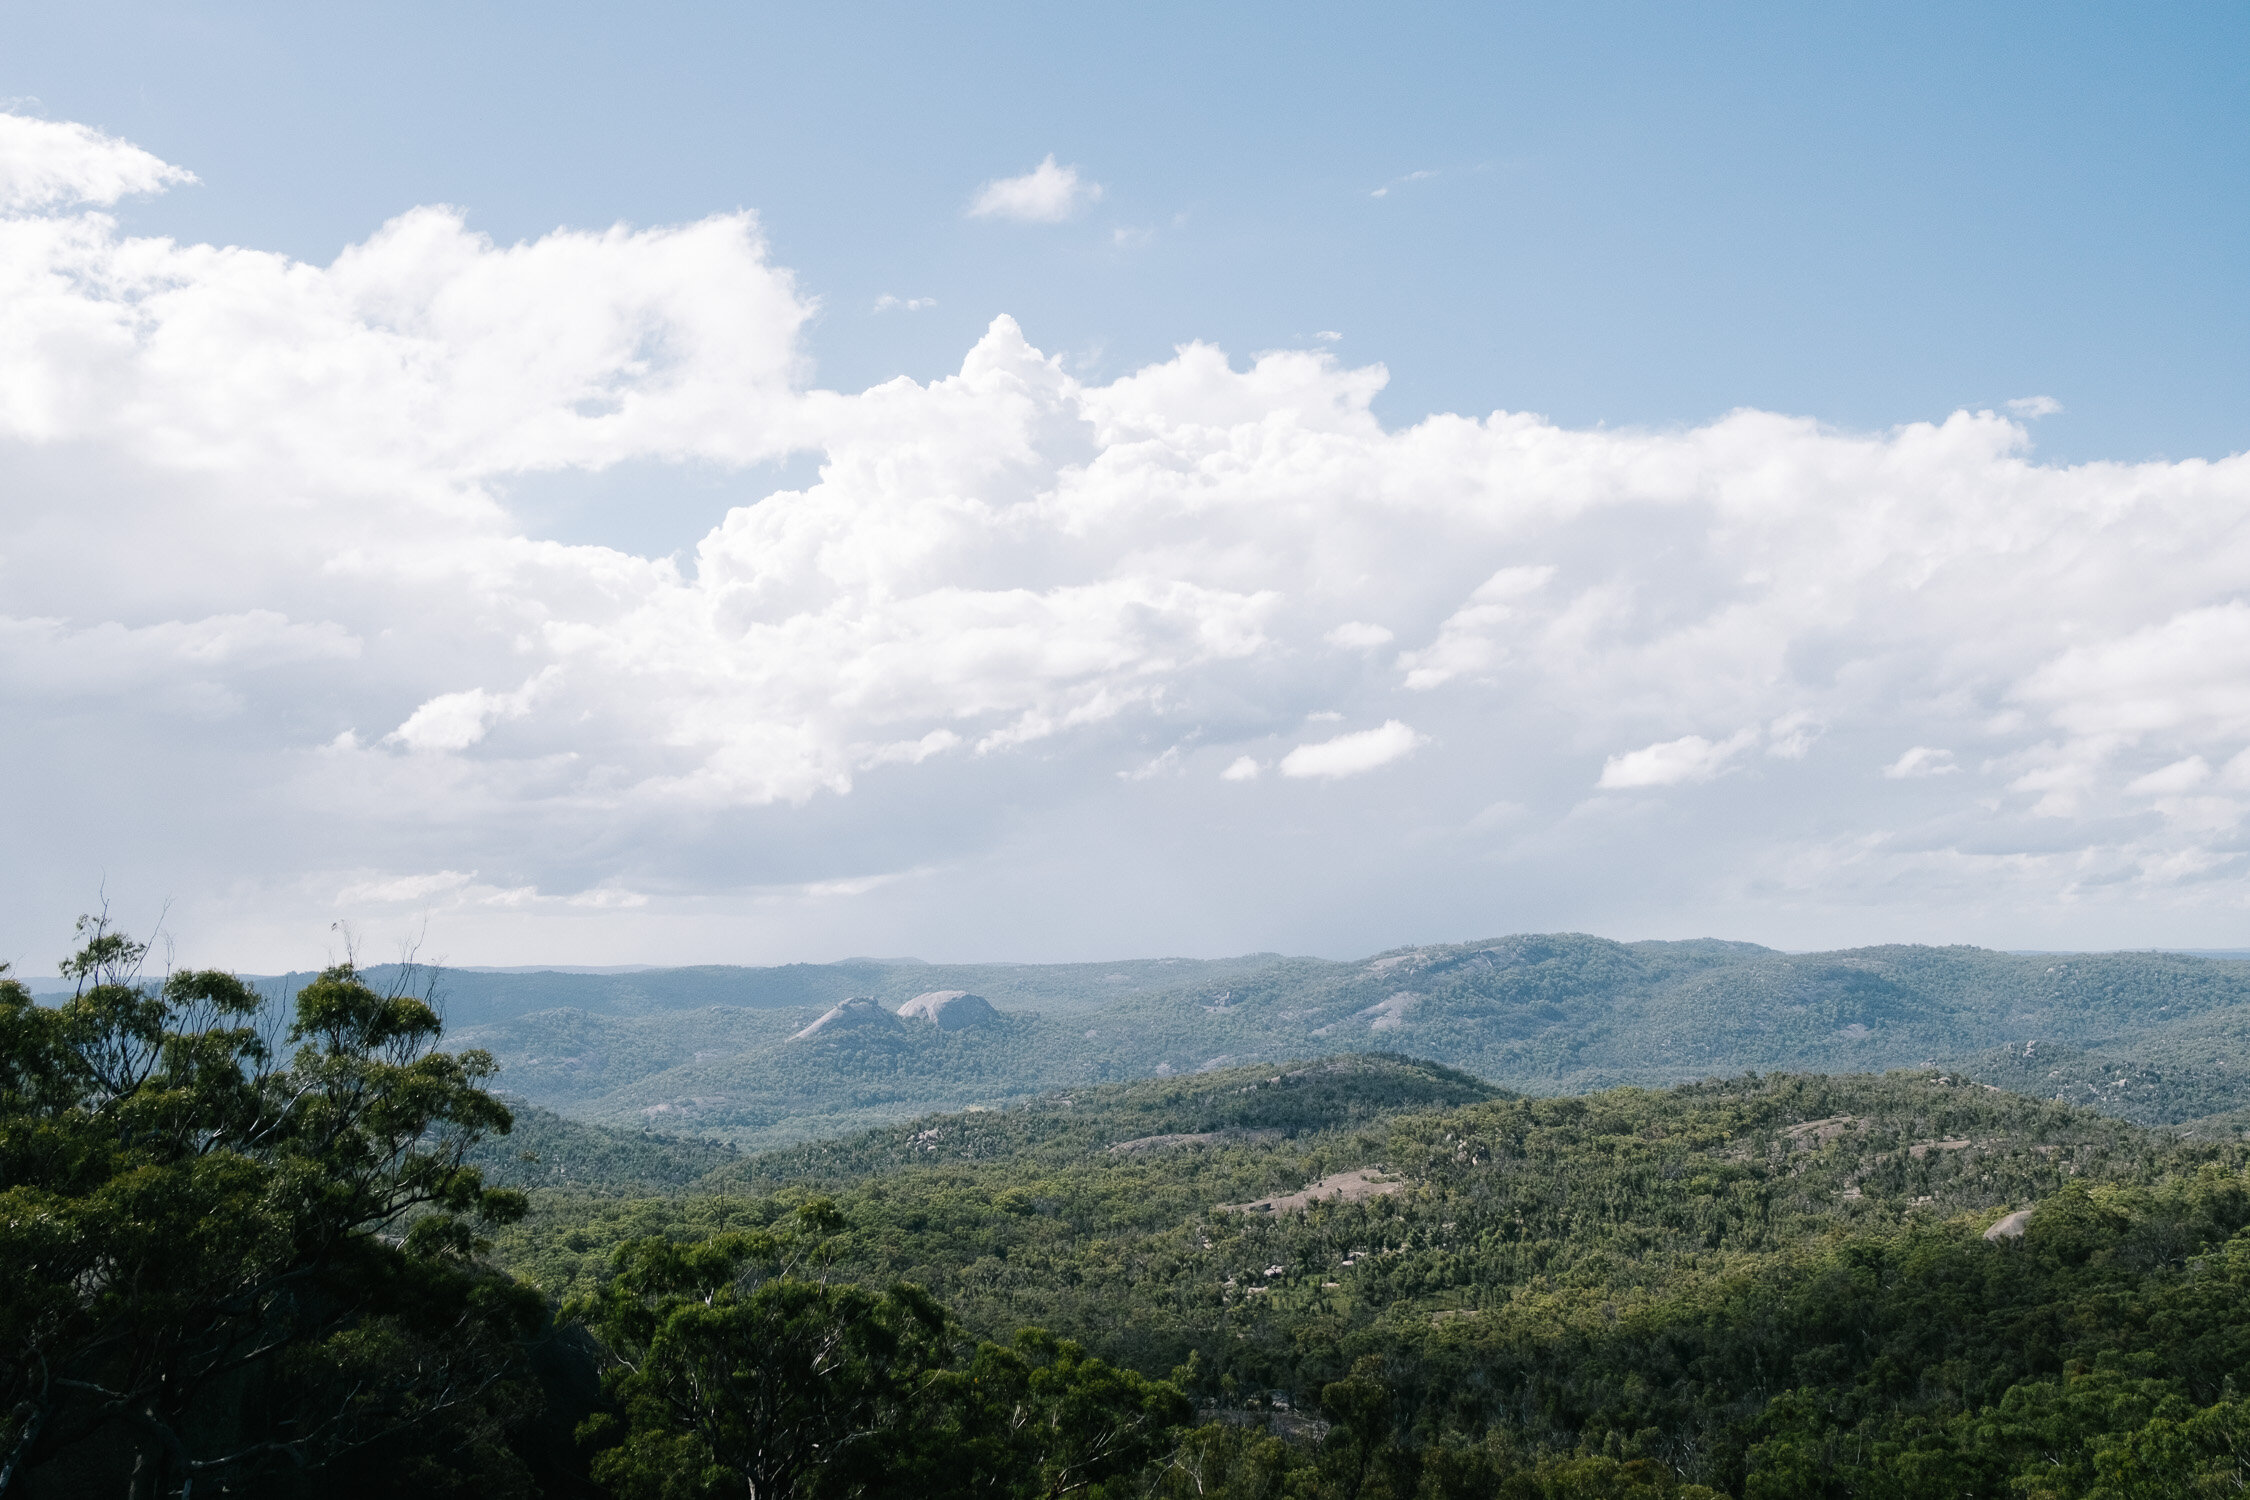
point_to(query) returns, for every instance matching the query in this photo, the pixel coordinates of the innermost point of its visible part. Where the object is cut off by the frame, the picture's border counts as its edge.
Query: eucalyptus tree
(744, 1368)
(237, 1240)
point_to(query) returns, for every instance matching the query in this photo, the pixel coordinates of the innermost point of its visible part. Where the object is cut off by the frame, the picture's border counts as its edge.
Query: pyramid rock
(856, 1014)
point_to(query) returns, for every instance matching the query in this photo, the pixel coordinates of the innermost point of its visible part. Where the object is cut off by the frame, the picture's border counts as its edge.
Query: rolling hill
(1772, 1286)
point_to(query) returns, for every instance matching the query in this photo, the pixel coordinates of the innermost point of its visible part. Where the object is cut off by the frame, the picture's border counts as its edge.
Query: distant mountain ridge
(735, 1054)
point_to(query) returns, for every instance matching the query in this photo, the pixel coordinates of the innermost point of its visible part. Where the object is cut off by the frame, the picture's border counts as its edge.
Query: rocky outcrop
(856, 1014)
(2011, 1227)
(949, 1010)
(1339, 1187)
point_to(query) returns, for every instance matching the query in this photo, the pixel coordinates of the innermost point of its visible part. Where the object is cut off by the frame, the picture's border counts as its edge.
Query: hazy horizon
(42, 983)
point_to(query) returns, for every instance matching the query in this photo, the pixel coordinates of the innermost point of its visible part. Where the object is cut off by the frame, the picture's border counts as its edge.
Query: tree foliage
(743, 1370)
(230, 1243)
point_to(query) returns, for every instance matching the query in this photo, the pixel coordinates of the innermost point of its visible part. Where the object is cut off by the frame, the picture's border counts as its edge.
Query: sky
(592, 485)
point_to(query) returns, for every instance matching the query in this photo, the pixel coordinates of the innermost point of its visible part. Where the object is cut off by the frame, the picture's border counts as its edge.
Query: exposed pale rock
(2010, 1228)
(1338, 1187)
(856, 1014)
(949, 1010)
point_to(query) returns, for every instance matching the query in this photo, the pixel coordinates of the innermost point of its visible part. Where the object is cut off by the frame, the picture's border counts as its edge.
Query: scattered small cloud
(1329, 336)
(1167, 764)
(1047, 194)
(911, 752)
(1474, 639)
(2032, 407)
(2183, 866)
(455, 721)
(2062, 776)
(606, 898)
(856, 885)
(1127, 237)
(889, 303)
(50, 162)
(1496, 816)
(1385, 190)
(1358, 635)
(1352, 754)
(1241, 768)
(2180, 776)
(404, 889)
(458, 889)
(1922, 760)
(1673, 762)
(1791, 736)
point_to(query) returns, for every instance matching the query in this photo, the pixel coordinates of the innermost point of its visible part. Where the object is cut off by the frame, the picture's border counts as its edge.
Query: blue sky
(1634, 213)
(1631, 220)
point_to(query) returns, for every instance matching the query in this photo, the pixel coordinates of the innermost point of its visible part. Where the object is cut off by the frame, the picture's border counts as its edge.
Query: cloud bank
(274, 630)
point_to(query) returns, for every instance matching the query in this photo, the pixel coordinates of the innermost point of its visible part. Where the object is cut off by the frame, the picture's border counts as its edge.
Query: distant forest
(286, 1241)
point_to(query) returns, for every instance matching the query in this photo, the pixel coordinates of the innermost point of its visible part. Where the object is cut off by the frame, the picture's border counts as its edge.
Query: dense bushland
(1767, 1286)
(264, 1250)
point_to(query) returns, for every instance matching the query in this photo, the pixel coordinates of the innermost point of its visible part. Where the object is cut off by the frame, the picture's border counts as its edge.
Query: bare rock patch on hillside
(1338, 1187)
(949, 1010)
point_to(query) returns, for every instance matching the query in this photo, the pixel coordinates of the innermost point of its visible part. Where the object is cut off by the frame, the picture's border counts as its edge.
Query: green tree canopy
(743, 1370)
(232, 1239)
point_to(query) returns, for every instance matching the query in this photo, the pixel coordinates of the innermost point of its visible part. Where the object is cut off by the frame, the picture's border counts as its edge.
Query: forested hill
(1776, 1287)
(2159, 1038)
(1131, 1159)
(545, 1150)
